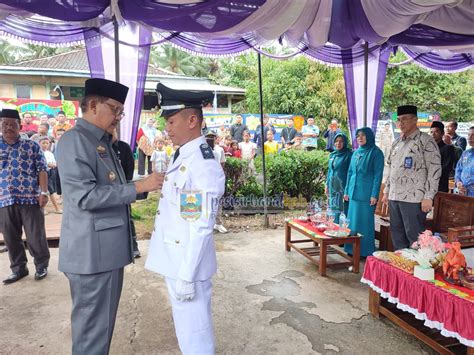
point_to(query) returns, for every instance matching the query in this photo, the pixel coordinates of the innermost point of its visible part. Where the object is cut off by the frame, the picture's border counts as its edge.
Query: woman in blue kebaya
(362, 189)
(339, 161)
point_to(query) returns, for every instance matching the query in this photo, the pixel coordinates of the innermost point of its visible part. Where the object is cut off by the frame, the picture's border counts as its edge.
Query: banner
(424, 124)
(252, 120)
(40, 107)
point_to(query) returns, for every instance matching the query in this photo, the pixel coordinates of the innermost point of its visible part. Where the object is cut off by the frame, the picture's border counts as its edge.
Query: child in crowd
(168, 147)
(288, 146)
(159, 158)
(298, 142)
(227, 146)
(45, 144)
(248, 150)
(270, 146)
(236, 153)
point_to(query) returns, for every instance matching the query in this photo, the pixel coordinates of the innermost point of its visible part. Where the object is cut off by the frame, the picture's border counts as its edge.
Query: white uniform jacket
(182, 244)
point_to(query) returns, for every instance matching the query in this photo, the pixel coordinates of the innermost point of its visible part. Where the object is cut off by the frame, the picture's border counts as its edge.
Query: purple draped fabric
(220, 46)
(354, 83)
(133, 68)
(336, 56)
(208, 16)
(77, 10)
(349, 24)
(422, 35)
(435, 62)
(94, 54)
(43, 31)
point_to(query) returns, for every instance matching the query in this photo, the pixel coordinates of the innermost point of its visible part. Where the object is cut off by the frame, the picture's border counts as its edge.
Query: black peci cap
(172, 101)
(437, 124)
(407, 110)
(106, 88)
(9, 113)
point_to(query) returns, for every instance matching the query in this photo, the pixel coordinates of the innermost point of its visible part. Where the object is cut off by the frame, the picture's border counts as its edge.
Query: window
(76, 92)
(23, 92)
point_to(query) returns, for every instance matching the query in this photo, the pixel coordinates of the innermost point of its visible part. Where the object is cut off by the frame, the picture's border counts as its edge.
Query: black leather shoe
(41, 274)
(16, 276)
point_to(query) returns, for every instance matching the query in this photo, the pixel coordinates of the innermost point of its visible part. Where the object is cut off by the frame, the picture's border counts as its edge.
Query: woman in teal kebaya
(339, 161)
(362, 189)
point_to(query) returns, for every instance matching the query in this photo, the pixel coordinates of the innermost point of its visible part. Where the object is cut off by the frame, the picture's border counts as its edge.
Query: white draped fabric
(389, 17)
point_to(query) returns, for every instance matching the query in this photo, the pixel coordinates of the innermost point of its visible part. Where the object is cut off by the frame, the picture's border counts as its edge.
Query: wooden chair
(464, 235)
(451, 211)
(381, 209)
(382, 212)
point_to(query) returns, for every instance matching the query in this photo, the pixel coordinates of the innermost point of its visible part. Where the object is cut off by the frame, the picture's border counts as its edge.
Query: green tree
(172, 59)
(294, 86)
(449, 94)
(9, 52)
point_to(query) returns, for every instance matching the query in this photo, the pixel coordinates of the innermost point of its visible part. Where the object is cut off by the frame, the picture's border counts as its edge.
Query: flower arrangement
(428, 247)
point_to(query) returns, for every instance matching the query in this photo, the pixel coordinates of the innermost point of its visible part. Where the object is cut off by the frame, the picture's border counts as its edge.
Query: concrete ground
(266, 301)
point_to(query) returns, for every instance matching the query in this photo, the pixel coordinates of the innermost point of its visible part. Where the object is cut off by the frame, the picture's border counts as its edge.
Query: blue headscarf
(369, 136)
(344, 150)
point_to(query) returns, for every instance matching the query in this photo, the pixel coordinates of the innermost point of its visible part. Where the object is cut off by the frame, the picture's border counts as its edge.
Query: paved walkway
(266, 301)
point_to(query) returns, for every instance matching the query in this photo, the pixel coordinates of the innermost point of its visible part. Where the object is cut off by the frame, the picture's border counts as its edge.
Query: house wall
(40, 85)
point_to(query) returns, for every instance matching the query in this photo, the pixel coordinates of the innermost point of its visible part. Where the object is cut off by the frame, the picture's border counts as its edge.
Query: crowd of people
(423, 162)
(93, 171)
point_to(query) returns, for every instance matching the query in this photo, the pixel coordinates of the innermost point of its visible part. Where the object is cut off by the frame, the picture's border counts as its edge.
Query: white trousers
(193, 319)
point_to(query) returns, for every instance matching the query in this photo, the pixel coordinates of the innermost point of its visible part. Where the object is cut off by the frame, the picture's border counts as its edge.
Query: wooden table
(322, 245)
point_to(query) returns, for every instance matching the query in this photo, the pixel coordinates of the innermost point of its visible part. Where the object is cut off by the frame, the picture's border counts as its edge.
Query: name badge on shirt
(408, 163)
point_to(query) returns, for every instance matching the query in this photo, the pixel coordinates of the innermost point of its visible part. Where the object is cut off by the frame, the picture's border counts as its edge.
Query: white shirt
(49, 156)
(161, 160)
(151, 133)
(183, 248)
(219, 154)
(247, 149)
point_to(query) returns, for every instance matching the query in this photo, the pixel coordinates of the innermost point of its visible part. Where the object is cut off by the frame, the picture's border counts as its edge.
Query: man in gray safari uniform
(95, 240)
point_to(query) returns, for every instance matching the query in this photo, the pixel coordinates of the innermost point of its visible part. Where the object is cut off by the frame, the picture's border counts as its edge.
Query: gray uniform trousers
(407, 221)
(95, 300)
(31, 218)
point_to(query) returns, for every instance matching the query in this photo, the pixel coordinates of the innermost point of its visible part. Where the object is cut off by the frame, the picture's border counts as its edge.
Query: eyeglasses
(116, 111)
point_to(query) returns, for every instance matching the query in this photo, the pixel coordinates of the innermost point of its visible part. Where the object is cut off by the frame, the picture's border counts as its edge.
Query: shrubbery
(290, 172)
(297, 172)
(236, 174)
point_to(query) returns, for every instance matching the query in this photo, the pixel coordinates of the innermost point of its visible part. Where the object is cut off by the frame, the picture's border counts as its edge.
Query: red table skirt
(440, 309)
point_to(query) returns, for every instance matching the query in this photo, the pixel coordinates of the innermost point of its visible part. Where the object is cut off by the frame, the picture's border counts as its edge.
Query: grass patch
(143, 213)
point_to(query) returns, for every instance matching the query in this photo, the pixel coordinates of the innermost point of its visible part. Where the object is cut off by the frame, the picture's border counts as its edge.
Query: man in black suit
(447, 155)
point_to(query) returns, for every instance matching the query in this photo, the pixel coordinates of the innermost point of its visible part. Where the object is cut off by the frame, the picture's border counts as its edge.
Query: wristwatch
(44, 193)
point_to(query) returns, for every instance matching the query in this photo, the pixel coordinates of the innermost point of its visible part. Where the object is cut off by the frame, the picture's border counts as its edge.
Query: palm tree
(172, 59)
(9, 52)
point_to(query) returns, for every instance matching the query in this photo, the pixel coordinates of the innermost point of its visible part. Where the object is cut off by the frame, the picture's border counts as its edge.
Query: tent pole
(117, 60)
(366, 79)
(116, 49)
(262, 131)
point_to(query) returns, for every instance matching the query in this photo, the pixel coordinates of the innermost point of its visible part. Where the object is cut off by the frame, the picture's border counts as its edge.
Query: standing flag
(214, 102)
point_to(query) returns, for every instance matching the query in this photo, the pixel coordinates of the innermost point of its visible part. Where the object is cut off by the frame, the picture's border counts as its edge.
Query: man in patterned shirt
(23, 193)
(414, 170)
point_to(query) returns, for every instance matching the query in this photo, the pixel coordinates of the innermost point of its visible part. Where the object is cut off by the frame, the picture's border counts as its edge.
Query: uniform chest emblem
(190, 204)
(102, 151)
(112, 176)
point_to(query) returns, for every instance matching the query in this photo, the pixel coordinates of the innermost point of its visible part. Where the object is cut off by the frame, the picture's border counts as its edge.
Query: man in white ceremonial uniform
(182, 245)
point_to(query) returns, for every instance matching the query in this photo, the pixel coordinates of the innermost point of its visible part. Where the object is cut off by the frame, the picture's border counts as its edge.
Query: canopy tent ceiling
(355, 34)
(432, 31)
